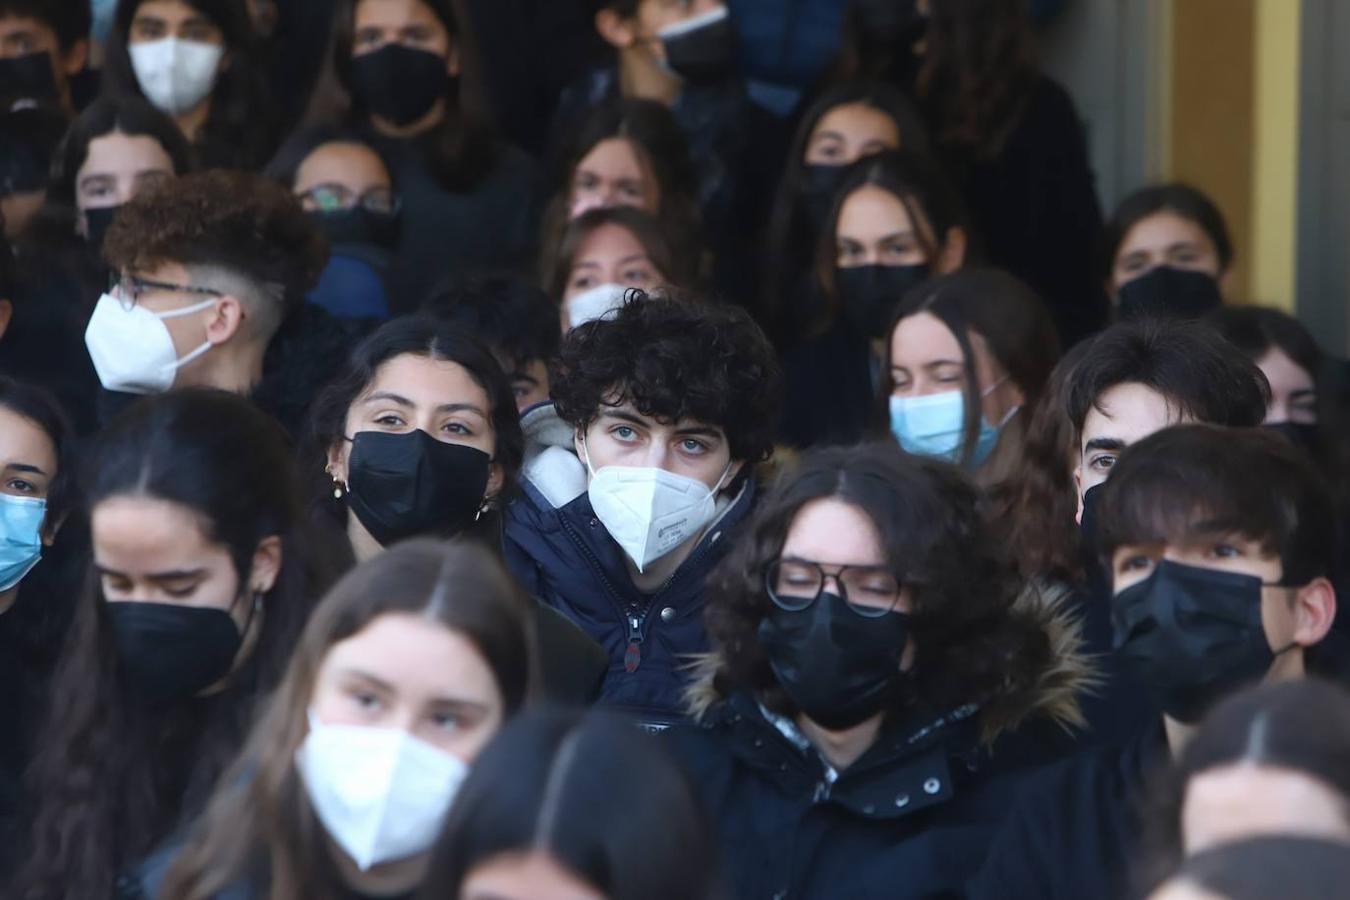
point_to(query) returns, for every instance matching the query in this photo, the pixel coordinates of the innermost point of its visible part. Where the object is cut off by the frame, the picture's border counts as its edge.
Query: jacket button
(932, 786)
(594, 522)
(759, 742)
(902, 801)
(668, 614)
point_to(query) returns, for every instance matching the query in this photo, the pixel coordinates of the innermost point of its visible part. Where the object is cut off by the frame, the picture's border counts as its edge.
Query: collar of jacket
(910, 767)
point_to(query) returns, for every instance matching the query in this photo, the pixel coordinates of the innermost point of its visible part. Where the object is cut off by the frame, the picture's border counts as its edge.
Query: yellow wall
(1232, 129)
(1275, 158)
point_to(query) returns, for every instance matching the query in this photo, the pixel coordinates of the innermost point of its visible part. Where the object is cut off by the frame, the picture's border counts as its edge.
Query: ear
(495, 479)
(579, 445)
(6, 314)
(1225, 280)
(266, 565)
(226, 320)
(337, 461)
(616, 31)
(454, 59)
(953, 254)
(76, 58)
(1078, 493)
(1314, 611)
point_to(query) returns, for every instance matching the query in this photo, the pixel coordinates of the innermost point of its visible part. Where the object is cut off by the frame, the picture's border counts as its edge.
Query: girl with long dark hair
(198, 589)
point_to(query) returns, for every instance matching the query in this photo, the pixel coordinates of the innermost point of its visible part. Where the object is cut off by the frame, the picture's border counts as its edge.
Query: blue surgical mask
(934, 424)
(20, 537)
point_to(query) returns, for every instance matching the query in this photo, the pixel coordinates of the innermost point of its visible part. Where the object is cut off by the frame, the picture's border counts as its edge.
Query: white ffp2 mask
(381, 793)
(595, 303)
(649, 511)
(132, 349)
(175, 75)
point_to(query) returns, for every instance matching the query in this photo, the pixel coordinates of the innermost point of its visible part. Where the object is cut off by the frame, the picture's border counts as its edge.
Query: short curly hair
(972, 645)
(672, 359)
(237, 225)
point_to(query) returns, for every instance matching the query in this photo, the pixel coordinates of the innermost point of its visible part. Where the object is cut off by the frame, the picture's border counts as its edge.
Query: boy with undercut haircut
(1218, 545)
(636, 478)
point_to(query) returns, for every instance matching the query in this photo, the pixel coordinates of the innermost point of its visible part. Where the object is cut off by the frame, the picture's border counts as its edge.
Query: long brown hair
(259, 824)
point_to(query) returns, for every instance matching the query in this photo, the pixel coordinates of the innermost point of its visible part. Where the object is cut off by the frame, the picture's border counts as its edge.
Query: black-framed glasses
(333, 197)
(127, 288)
(869, 591)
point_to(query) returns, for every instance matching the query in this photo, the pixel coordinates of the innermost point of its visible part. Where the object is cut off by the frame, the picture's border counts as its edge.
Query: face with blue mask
(27, 467)
(929, 376)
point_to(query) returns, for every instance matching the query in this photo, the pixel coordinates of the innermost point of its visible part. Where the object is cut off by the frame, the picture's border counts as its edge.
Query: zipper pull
(632, 657)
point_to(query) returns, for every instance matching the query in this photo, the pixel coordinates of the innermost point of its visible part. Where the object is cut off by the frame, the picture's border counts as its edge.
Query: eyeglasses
(127, 288)
(796, 584)
(332, 197)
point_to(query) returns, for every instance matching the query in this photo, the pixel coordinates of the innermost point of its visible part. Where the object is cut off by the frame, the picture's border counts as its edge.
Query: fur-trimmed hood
(1053, 694)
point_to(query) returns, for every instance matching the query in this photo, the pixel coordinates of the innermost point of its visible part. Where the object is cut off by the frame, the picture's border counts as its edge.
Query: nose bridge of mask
(595, 303)
(694, 23)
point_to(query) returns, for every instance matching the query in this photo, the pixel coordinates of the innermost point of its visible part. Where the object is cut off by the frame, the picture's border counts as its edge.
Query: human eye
(180, 591)
(368, 37)
(693, 446)
(1135, 563)
(390, 420)
(848, 253)
(586, 181)
(624, 433)
(447, 721)
(458, 429)
(582, 282)
(638, 276)
(1101, 462)
(116, 585)
(147, 29)
(1224, 550)
(21, 486)
(198, 31)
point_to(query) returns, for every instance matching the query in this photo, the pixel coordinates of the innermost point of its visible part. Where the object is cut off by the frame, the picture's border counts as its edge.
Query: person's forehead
(1129, 413)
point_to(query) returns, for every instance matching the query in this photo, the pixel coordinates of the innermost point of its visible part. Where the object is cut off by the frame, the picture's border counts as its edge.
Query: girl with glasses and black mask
(420, 437)
(878, 674)
(469, 200)
(199, 586)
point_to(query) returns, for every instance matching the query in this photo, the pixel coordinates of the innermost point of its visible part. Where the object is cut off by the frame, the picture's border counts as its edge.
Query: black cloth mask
(1171, 293)
(397, 83)
(704, 54)
(837, 667)
(1305, 435)
(169, 653)
(97, 222)
(402, 485)
(1097, 575)
(358, 226)
(1192, 636)
(870, 294)
(28, 79)
(819, 184)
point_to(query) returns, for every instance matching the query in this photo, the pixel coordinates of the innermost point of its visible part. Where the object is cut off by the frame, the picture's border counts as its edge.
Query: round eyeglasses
(795, 584)
(335, 197)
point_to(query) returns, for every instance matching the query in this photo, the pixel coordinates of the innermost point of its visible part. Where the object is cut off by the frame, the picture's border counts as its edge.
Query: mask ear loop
(586, 454)
(202, 348)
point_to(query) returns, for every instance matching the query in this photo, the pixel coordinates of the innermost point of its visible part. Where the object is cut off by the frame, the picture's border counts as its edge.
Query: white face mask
(381, 793)
(595, 303)
(648, 511)
(132, 349)
(176, 75)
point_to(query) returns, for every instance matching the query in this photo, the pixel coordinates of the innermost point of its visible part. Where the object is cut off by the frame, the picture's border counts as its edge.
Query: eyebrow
(626, 416)
(827, 136)
(96, 177)
(524, 376)
(171, 575)
(404, 401)
(25, 467)
(1104, 443)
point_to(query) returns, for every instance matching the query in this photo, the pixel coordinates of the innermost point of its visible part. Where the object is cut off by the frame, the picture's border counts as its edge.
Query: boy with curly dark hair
(208, 268)
(635, 478)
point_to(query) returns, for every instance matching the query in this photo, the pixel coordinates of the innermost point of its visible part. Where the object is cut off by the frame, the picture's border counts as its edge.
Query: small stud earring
(338, 488)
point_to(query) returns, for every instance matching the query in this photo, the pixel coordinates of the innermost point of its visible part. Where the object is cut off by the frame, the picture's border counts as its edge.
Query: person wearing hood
(880, 676)
(1220, 579)
(636, 477)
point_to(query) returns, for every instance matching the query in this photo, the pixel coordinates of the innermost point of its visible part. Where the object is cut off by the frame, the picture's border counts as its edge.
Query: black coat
(1075, 829)
(910, 819)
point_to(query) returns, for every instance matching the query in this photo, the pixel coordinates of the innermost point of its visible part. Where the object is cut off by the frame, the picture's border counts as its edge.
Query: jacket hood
(1052, 694)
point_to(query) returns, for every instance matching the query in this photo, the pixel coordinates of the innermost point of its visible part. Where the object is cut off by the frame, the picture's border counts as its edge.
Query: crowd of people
(640, 449)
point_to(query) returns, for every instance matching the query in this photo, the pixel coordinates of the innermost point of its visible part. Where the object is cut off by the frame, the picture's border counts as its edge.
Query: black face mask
(98, 221)
(401, 485)
(169, 653)
(703, 54)
(28, 78)
(1166, 292)
(836, 666)
(886, 22)
(870, 294)
(1097, 576)
(819, 185)
(1192, 636)
(399, 84)
(357, 226)
(1306, 436)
